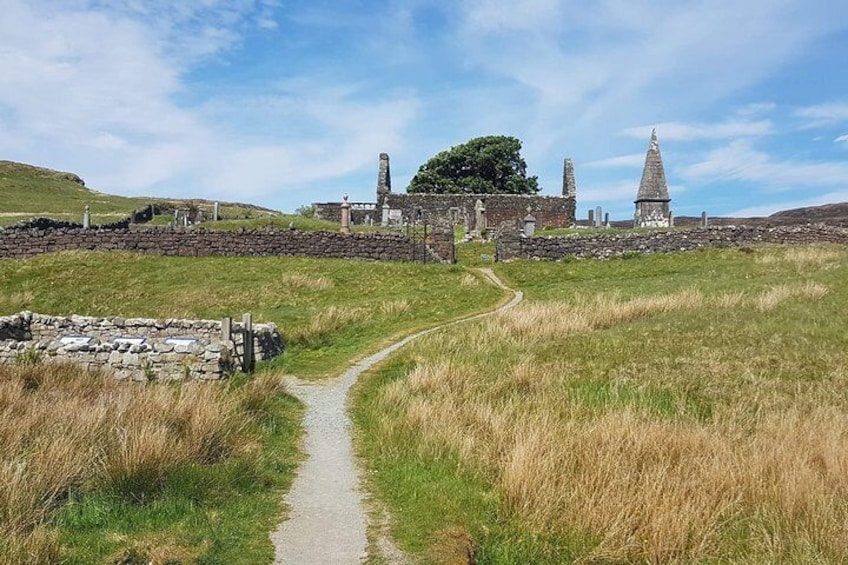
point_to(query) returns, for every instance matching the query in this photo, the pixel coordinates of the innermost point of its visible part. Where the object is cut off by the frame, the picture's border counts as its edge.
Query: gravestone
(598, 214)
(345, 227)
(86, 218)
(591, 217)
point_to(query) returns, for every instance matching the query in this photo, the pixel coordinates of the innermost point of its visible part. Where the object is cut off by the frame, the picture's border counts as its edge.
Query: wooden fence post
(247, 340)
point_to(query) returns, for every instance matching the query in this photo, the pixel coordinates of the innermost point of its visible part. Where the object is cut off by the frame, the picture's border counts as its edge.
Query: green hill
(27, 191)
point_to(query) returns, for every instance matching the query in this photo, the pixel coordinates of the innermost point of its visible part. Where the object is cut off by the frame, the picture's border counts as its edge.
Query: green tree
(483, 165)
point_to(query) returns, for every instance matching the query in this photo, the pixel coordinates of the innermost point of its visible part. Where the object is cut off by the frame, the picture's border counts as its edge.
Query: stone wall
(26, 241)
(549, 211)
(137, 348)
(602, 246)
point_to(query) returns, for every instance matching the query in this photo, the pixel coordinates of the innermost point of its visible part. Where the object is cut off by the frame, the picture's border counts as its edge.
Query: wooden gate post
(247, 340)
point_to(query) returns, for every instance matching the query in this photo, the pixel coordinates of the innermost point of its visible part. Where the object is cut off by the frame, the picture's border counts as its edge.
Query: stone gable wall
(22, 241)
(603, 246)
(209, 357)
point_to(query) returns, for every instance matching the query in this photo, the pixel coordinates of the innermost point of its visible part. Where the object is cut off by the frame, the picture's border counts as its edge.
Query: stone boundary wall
(137, 348)
(23, 241)
(603, 246)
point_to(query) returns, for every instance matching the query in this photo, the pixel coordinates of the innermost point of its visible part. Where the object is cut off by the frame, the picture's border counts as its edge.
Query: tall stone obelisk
(652, 201)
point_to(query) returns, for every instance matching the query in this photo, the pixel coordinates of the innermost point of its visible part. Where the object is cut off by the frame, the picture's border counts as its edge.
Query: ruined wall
(602, 246)
(137, 348)
(18, 242)
(360, 212)
(549, 211)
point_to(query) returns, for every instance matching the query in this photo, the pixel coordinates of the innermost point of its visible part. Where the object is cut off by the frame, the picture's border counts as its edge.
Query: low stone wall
(602, 246)
(25, 241)
(137, 348)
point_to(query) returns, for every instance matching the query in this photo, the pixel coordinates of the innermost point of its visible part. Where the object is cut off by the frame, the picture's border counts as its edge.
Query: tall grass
(677, 427)
(66, 431)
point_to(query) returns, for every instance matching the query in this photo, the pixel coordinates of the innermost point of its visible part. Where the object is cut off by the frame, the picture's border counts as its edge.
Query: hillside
(27, 191)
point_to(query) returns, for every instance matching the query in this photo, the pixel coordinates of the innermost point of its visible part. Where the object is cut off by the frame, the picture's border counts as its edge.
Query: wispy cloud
(823, 114)
(676, 131)
(842, 139)
(624, 161)
(740, 161)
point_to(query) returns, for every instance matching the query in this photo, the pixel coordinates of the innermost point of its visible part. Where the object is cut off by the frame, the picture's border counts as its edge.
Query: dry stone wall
(26, 241)
(137, 348)
(602, 246)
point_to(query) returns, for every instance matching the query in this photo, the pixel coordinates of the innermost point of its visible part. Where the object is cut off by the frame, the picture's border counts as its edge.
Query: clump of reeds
(63, 429)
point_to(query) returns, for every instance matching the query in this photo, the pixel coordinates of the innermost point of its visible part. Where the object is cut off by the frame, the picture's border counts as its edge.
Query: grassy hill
(27, 191)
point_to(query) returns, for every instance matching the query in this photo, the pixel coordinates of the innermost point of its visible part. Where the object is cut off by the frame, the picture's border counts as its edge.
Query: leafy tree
(483, 165)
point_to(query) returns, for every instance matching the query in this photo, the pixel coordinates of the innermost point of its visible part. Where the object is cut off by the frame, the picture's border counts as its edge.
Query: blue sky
(282, 103)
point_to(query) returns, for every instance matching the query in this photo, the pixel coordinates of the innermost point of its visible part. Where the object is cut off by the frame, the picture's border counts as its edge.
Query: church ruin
(476, 211)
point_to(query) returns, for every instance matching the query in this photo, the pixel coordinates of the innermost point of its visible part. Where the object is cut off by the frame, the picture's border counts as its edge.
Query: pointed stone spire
(569, 183)
(652, 208)
(653, 186)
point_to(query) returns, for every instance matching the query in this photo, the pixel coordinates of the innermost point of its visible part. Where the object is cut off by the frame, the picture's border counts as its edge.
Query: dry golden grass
(327, 322)
(801, 257)
(469, 280)
(63, 429)
(392, 307)
(640, 487)
(775, 296)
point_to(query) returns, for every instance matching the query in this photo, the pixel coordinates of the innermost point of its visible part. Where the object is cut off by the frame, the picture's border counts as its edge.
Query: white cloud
(676, 131)
(625, 161)
(823, 114)
(756, 109)
(842, 139)
(740, 161)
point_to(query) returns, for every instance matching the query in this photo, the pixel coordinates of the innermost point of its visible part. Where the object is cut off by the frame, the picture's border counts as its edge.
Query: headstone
(86, 218)
(215, 212)
(606, 220)
(529, 224)
(705, 219)
(345, 228)
(479, 217)
(591, 217)
(384, 221)
(670, 219)
(598, 215)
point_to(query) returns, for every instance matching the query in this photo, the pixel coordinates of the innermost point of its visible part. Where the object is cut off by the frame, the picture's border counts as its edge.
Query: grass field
(130, 481)
(666, 409)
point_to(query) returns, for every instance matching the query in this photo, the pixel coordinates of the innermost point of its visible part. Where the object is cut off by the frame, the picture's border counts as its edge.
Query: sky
(286, 102)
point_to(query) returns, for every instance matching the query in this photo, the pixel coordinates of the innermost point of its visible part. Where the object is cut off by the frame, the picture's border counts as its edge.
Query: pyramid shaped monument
(652, 210)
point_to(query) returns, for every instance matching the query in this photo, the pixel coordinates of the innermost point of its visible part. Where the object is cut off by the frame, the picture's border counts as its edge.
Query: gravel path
(327, 522)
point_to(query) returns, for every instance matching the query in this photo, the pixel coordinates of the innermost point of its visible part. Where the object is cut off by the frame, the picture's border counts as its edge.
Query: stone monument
(652, 209)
